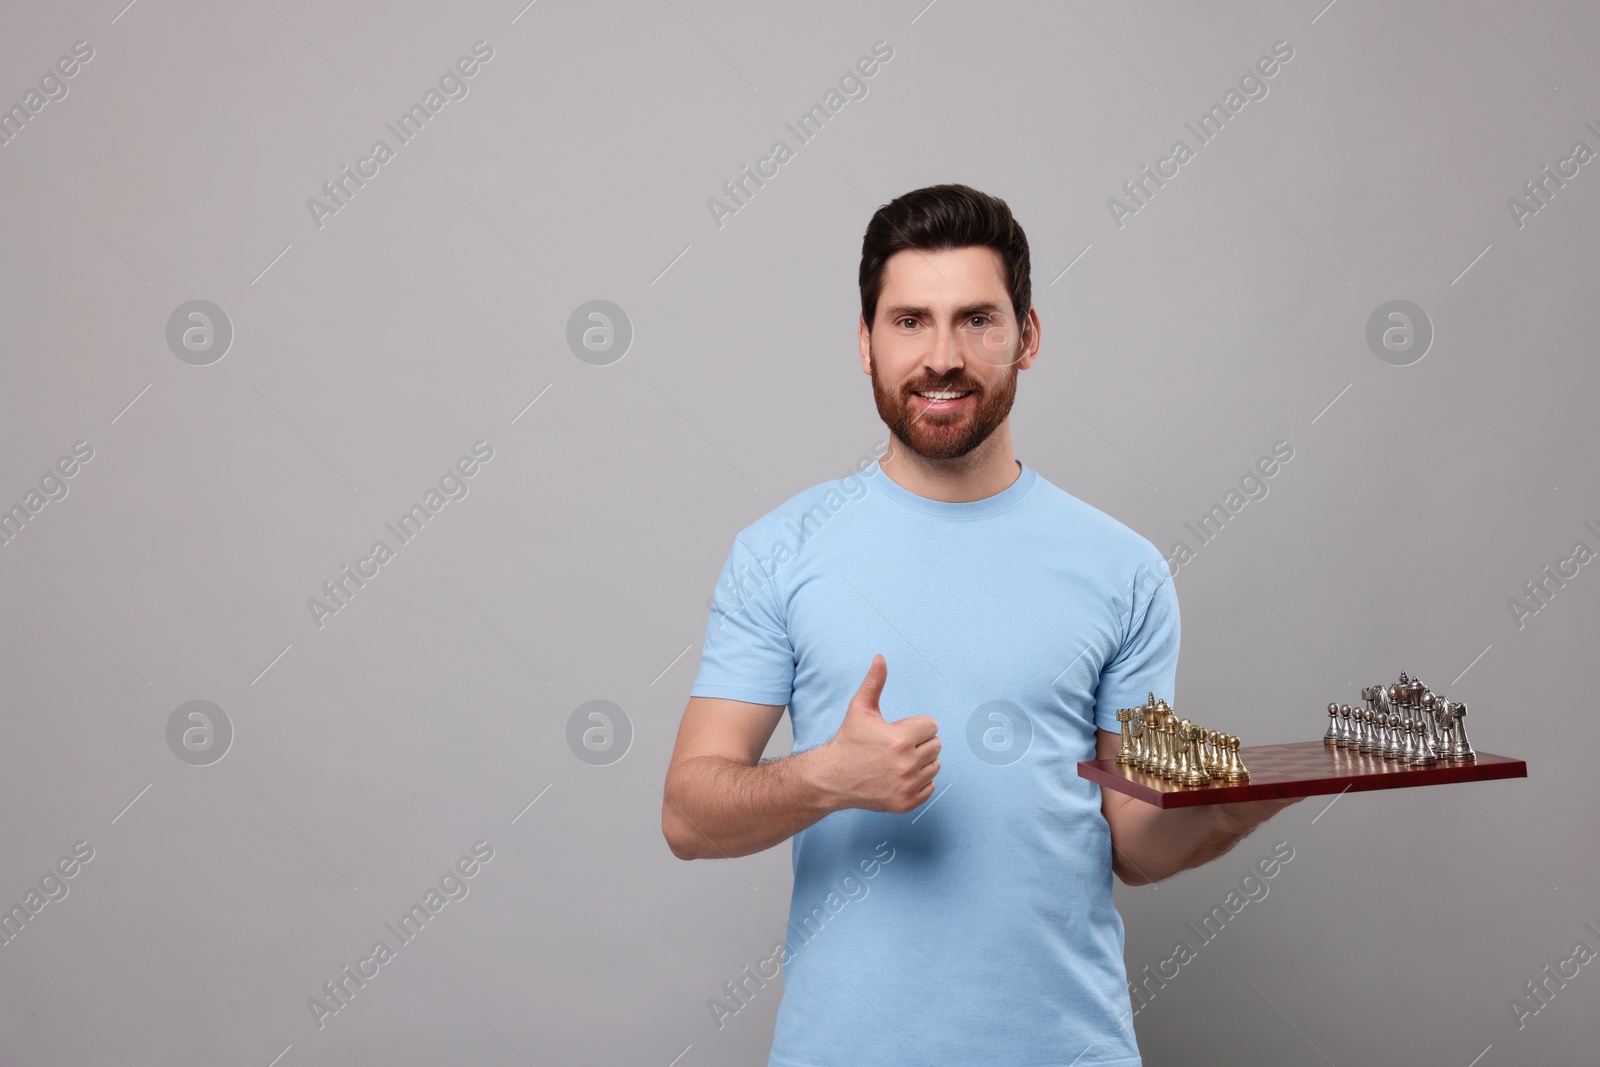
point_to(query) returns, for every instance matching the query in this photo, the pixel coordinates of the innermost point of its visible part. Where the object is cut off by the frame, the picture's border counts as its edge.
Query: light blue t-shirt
(978, 928)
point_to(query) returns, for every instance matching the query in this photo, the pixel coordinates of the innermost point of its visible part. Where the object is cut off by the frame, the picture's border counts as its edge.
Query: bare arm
(720, 800)
(1151, 843)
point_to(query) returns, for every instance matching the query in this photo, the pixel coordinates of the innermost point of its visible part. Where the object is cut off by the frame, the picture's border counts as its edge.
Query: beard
(949, 435)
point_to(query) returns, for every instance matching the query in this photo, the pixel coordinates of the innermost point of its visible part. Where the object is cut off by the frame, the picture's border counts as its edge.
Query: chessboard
(1298, 769)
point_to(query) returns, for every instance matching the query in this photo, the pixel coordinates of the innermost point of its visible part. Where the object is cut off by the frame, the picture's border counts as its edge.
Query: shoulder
(1091, 530)
(806, 512)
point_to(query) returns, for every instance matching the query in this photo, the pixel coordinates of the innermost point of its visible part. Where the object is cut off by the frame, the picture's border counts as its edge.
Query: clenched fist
(875, 764)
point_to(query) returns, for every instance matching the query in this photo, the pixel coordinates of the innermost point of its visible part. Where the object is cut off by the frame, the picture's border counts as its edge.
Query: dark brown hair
(939, 218)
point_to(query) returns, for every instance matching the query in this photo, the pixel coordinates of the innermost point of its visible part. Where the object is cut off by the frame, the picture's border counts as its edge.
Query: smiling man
(1019, 619)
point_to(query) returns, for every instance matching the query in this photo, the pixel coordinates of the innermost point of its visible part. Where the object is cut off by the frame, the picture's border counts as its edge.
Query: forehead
(948, 279)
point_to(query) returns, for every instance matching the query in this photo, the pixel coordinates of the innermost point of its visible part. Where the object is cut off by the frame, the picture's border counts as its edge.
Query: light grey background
(432, 310)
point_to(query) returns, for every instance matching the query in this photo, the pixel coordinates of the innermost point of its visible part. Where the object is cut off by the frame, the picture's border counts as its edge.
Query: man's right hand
(875, 764)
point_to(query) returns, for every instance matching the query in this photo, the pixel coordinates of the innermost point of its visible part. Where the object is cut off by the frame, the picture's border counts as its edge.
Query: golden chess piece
(1158, 744)
(1169, 734)
(1195, 774)
(1152, 731)
(1236, 771)
(1124, 741)
(1169, 766)
(1181, 766)
(1150, 745)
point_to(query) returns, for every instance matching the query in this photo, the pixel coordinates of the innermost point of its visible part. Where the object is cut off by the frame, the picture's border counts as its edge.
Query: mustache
(958, 386)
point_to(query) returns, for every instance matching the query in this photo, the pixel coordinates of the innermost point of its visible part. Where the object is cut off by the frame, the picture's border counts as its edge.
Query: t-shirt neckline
(954, 511)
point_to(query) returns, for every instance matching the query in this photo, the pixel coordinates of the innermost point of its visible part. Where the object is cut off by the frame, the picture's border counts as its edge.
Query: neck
(986, 470)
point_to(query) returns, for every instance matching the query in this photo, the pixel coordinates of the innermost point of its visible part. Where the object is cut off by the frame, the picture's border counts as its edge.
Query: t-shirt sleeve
(1147, 662)
(747, 654)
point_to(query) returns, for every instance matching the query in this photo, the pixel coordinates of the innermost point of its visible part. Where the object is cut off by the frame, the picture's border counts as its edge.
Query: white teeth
(941, 396)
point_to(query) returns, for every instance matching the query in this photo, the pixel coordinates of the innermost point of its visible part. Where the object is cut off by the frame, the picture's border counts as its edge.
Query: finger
(871, 689)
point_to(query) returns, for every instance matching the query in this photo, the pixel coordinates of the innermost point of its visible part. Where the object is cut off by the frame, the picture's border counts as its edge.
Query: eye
(905, 319)
(978, 320)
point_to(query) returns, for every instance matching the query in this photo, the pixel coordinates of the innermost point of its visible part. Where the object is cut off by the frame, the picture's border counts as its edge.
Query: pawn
(1236, 771)
(1332, 736)
(1391, 736)
(1422, 752)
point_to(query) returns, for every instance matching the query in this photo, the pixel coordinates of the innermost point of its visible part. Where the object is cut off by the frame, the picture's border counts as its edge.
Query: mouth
(934, 401)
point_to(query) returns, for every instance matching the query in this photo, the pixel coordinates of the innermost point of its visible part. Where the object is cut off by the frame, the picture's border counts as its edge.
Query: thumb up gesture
(875, 764)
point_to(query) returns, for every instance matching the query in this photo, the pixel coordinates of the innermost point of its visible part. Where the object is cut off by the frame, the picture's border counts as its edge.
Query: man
(952, 901)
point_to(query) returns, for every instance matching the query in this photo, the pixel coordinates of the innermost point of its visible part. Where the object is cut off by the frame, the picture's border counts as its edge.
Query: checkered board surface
(1298, 769)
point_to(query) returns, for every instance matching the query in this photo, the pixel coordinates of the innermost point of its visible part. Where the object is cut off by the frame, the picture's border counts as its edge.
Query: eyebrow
(962, 312)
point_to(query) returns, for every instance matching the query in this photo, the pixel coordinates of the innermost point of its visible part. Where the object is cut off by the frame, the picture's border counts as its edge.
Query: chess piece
(1332, 736)
(1365, 722)
(1151, 750)
(1380, 699)
(1347, 731)
(1169, 763)
(1424, 756)
(1431, 707)
(1152, 736)
(1460, 748)
(1427, 748)
(1124, 742)
(1390, 749)
(1194, 772)
(1392, 696)
(1164, 758)
(1236, 771)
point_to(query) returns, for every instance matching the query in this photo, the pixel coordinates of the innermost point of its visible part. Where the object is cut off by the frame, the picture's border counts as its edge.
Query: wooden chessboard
(1298, 769)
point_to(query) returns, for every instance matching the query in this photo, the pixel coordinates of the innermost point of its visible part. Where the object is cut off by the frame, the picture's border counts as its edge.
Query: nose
(946, 352)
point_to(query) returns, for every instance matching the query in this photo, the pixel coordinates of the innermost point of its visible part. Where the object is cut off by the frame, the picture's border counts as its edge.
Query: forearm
(1151, 843)
(715, 807)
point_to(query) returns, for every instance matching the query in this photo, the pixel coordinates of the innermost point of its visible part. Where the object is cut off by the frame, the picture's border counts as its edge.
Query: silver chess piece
(1425, 756)
(1430, 708)
(1423, 707)
(1332, 736)
(1394, 697)
(1422, 748)
(1460, 749)
(1369, 729)
(1391, 736)
(1428, 745)
(1379, 702)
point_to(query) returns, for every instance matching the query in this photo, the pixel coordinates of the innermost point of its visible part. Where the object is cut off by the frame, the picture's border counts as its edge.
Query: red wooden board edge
(1362, 773)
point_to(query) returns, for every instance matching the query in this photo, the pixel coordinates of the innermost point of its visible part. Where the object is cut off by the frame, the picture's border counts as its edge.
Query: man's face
(944, 324)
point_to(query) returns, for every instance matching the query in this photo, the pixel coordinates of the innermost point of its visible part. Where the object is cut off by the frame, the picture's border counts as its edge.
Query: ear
(1030, 340)
(864, 342)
